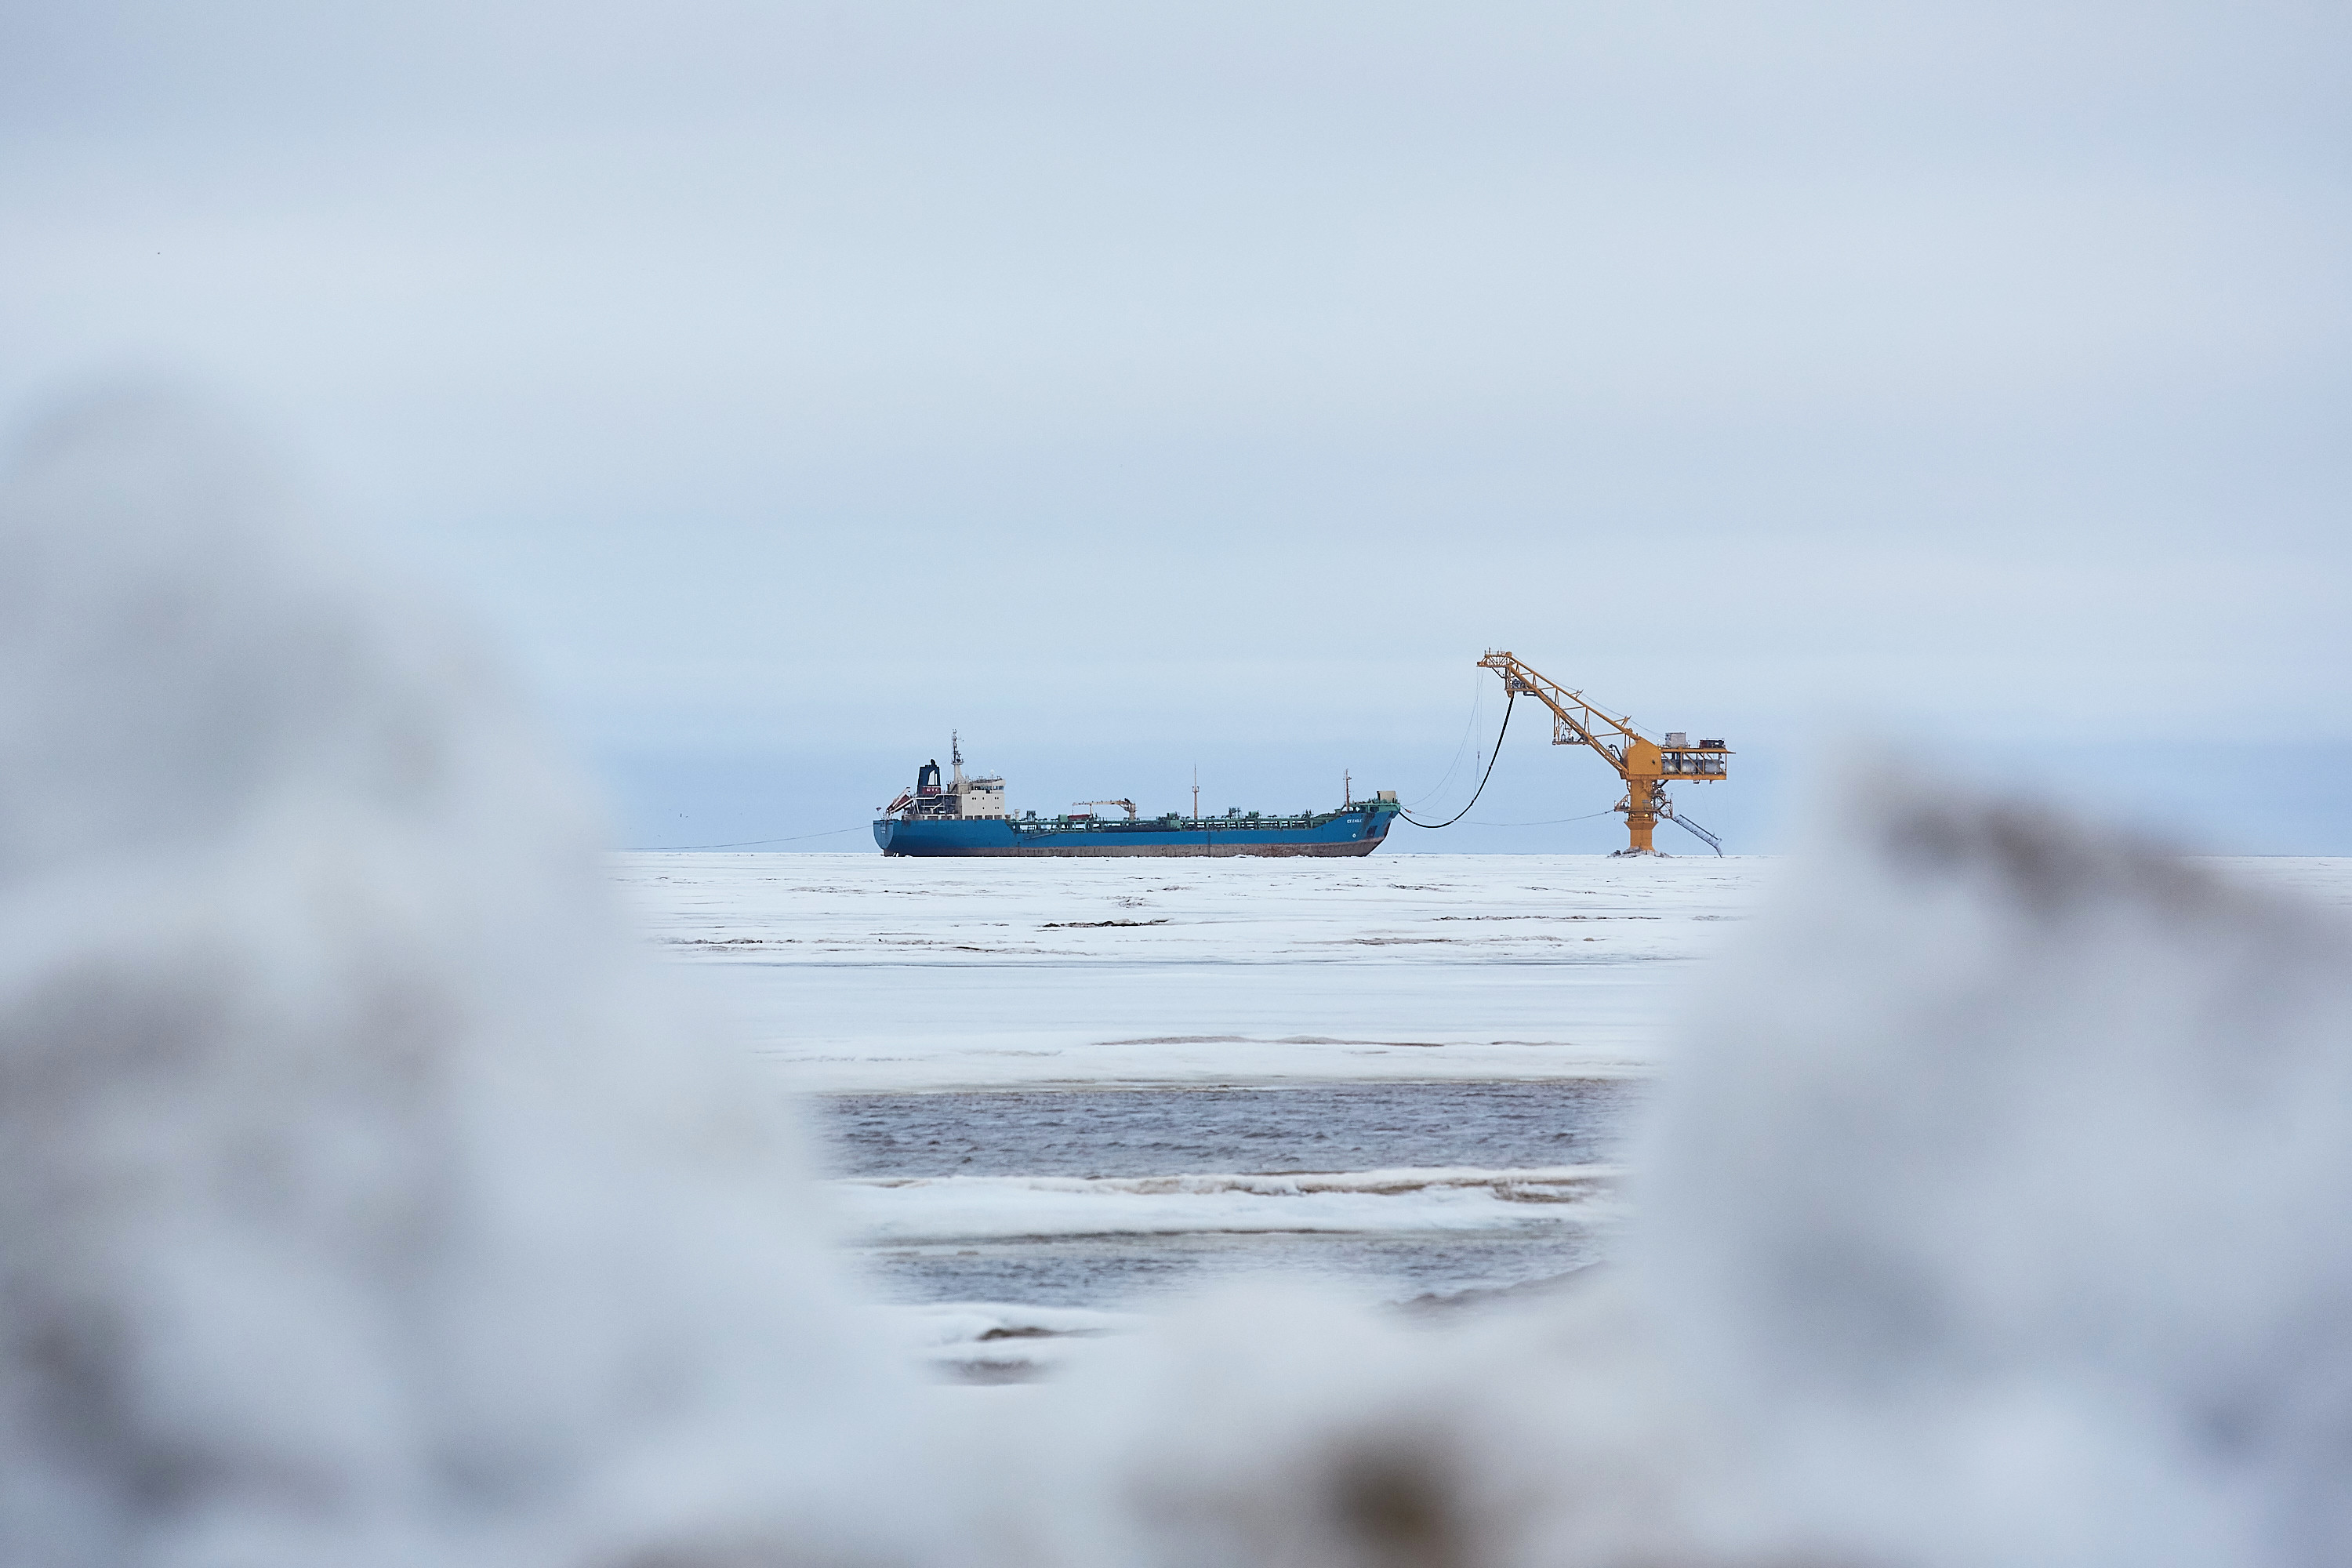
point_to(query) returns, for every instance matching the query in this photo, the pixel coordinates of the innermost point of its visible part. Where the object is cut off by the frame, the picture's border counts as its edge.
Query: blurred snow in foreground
(355, 1205)
(360, 1203)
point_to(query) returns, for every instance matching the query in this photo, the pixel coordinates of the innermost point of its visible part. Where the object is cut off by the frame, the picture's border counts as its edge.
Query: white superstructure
(974, 796)
(961, 797)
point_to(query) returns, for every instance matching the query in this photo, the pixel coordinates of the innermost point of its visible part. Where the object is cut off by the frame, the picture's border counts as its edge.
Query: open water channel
(1408, 1129)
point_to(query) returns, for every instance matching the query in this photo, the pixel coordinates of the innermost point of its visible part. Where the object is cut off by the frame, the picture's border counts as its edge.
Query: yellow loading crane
(1647, 766)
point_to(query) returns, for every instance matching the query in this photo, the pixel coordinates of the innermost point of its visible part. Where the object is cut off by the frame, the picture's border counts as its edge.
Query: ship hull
(1348, 833)
(1195, 849)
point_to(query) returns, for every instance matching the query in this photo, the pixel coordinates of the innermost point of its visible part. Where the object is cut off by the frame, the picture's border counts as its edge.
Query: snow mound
(1998, 1209)
(356, 1205)
(2011, 1165)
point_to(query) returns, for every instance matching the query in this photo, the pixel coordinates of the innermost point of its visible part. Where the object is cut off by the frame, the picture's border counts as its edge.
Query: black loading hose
(1492, 757)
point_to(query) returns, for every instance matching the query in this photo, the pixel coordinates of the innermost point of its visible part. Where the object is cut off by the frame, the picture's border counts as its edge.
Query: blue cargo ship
(968, 817)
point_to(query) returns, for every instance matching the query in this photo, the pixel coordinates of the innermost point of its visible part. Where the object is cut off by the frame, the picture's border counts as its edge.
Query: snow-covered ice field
(1062, 1086)
(1231, 1005)
(1068, 1085)
(866, 974)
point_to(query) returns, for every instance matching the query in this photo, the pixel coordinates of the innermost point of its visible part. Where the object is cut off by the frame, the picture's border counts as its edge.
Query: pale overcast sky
(1142, 386)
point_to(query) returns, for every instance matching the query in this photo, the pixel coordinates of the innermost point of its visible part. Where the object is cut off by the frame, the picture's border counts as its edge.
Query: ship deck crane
(1646, 765)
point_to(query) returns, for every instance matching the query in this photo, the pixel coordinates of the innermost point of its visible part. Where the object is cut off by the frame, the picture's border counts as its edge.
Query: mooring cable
(1548, 821)
(1492, 758)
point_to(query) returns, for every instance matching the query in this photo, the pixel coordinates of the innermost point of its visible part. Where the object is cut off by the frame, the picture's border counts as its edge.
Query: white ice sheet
(905, 1211)
(855, 974)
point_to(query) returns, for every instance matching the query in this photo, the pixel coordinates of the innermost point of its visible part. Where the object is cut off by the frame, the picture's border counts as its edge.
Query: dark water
(1123, 1271)
(1145, 1132)
(1166, 1132)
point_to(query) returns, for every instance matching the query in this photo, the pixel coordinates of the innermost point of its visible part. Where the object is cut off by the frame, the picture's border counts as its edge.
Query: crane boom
(1646, 765)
